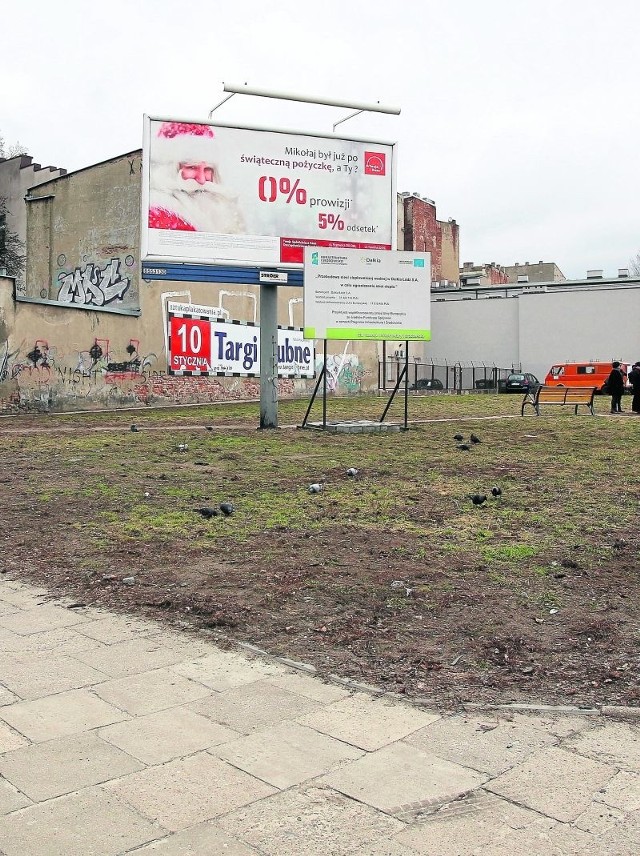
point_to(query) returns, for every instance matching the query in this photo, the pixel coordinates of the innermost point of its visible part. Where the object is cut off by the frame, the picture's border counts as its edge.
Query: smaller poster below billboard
(350, 294)
(202, 344)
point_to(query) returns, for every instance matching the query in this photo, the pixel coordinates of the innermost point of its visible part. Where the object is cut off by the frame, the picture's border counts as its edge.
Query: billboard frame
(225, 263)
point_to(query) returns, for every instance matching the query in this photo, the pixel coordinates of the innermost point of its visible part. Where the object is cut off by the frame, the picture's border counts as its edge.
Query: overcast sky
(520, 119)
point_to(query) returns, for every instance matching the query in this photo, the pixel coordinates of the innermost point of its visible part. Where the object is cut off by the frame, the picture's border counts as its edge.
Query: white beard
(209, 207)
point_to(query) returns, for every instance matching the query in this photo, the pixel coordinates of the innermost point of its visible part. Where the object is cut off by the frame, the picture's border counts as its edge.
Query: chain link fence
(446, 377)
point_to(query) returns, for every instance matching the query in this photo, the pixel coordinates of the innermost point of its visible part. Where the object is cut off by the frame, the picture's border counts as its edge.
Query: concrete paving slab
(10, 798)
(7, 608)
(388, 847)
(150, 691)
(90, 822)
(186, 792)
(403, 780)
(111, 628)
(463, 827)
(10, 739)
(286, 754)
(46, 770)
(35, 675)
(206, 839)
(254, 706)
(309, 822)
(544, 838)
(6, 696)
(560, 725)
(622, 792)
(368, 723)
(60, 715)
(309, 686)
(40, 618)
(166, 735)
(612, 742)
(224, 670)
(64, 640)
(485, 743)
(20, 595)
(622, 839)
(599, 819)
(130, 657)
(555, 782)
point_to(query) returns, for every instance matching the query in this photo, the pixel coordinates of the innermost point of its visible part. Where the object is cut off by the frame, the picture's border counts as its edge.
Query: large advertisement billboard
(230, 195)
(353, 295)
(202, 343)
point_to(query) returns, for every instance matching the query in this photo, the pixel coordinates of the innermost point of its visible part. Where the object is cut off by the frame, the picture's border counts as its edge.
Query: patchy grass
(393, 577)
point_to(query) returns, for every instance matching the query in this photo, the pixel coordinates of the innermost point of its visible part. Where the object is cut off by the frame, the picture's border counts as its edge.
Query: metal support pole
(268, 355)
(324, 388)
(406, 385)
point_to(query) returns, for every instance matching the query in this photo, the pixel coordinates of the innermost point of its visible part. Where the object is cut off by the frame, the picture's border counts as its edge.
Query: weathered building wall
(423, 232)
(17, 175)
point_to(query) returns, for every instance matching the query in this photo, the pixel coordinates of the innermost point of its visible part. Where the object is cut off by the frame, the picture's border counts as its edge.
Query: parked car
(427, 383)
(521, 382)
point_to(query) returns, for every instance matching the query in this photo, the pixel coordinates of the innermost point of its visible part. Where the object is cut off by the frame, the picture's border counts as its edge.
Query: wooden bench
(574, 396)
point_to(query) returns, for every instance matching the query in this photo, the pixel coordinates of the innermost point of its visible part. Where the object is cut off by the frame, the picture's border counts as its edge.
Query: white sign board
(220, 194)
(202, 344)
(349, 294)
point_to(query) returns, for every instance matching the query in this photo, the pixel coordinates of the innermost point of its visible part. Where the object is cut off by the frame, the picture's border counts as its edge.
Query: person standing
(634, 380)
(615, 386)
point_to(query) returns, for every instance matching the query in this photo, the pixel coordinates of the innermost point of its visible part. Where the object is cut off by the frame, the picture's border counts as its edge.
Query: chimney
(594, 274)
(623, 273)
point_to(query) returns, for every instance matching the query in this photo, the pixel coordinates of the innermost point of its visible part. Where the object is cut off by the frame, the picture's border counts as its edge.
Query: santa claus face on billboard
(186, 191)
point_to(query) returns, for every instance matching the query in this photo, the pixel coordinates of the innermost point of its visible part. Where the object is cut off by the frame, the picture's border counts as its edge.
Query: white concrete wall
(474, 331)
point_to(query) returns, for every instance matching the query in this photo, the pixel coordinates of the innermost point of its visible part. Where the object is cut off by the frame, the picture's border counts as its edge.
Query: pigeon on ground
(464, 447)
(315, 487)
(226, 508)
(209, 427)
(496, 491)
(134, 428)
(474, 439)
(207, 513)
(478, 498)
(352, 471)
(182, 447)
(458, 437)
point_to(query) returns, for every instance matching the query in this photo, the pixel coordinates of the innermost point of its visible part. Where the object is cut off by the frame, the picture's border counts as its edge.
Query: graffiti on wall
(345, 372)
(92, 285)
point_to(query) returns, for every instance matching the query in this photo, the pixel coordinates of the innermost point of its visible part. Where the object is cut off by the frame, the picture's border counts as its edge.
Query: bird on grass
(474, 439)
(496, 491)
(207, 513)
(316, 487)
(182, 447)
(209, 427)
(478, 498)
(226, 508)
(133, 428)
(464, 447)
(352, 471)
(458, 437)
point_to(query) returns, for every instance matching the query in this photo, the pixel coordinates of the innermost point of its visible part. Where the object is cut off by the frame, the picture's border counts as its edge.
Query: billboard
(201, 343)
(233, 195)
(350, 294)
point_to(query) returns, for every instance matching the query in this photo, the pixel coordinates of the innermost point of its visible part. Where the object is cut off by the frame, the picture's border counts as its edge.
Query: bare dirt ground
(392, 577)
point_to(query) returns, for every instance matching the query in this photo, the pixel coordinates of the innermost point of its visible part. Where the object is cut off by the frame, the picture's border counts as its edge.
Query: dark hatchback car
(521, 382)
(427, 383)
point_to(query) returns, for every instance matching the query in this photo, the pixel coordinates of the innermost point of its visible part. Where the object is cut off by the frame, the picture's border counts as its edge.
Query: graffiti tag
(92, 285)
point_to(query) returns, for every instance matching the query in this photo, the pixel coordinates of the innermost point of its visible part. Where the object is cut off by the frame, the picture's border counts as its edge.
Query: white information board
(350, 294)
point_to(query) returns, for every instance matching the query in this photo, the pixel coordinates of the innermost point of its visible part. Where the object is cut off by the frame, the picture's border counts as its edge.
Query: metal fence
(445, 377)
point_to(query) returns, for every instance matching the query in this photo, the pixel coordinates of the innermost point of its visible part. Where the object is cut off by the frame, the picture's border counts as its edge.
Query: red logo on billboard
(375, 163)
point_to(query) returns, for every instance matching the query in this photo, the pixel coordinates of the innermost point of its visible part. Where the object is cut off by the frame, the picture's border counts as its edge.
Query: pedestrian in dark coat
(615, 386)
(634, 380)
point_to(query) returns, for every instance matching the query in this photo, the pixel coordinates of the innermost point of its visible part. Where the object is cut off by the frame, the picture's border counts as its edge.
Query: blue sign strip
(213, 273)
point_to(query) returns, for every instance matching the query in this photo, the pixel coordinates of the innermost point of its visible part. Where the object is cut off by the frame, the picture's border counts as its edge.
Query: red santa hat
(183, 141)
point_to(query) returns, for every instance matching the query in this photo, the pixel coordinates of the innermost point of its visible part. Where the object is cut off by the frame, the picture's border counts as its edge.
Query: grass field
(393, 577)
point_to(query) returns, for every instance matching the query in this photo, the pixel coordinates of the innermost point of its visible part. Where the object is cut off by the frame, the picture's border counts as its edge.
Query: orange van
(583, 374)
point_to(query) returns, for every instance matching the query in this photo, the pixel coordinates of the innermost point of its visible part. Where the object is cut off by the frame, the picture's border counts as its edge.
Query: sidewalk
(120, 736)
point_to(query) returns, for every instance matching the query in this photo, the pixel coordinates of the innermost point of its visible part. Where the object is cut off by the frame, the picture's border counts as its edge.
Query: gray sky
(520, 118)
